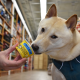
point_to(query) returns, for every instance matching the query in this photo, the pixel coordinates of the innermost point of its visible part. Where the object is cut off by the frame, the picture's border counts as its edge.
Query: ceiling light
(43, 8)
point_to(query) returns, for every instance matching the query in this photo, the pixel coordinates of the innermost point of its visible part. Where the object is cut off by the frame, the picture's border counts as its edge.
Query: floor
(29, 75)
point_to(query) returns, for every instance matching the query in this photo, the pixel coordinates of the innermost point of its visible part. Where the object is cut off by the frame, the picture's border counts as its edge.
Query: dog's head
(54, 32)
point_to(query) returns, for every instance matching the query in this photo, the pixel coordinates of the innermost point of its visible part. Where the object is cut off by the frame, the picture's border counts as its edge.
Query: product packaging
(24, 49)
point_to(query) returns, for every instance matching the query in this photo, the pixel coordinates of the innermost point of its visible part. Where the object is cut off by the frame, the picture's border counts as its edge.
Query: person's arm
(7, 64)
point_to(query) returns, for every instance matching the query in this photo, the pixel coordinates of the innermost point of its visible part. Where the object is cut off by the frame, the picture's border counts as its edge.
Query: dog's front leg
(56, 74)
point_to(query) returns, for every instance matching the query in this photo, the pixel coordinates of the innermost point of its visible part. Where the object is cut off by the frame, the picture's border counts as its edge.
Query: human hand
(7, 64)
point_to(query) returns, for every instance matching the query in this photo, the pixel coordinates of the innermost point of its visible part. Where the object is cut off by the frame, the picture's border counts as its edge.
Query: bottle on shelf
(3, 12)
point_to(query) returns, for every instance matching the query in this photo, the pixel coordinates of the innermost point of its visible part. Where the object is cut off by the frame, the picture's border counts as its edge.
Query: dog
(59, 39)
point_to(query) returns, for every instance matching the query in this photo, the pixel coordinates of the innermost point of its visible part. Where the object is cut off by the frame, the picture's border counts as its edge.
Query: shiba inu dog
(59, 39)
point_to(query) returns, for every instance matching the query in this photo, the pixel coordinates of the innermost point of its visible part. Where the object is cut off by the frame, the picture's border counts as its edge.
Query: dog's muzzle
(35, 48)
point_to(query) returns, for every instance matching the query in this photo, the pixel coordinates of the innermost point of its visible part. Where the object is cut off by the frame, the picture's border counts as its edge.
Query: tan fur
(72, 20)
(52, 11)
(64, 48)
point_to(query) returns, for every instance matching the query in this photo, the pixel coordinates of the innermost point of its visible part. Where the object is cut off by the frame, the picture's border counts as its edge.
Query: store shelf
(17, 70)
(1, 34)
(5, 8)
(7, 30)
(1, 25)
(5, 21)
(4, 73)
(1, 17)
(19, 33)
(0, 45)
(6, 41)
(7, 24)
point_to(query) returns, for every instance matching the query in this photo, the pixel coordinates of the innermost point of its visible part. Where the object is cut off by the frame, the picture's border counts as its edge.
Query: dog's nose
(35, 47)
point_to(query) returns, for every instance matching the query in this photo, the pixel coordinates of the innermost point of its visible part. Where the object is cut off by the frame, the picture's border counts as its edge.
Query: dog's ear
(71, 22)
(51, 12)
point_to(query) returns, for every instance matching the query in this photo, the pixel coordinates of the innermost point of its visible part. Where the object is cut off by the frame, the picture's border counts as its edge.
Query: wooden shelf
(0, 45)
(1, 25)
(6, 41)
(1, 34)
(7, 30)
(5, 21)
(5, 8)
(1, 17)
(7, 24)
(19, 33)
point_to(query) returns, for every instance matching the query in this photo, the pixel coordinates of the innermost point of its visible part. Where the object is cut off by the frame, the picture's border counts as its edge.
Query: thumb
(12, 48)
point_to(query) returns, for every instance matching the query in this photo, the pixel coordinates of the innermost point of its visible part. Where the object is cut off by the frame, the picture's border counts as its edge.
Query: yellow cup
(24, 49)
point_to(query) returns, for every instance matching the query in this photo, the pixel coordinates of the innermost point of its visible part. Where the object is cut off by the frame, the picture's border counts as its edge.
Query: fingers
(18, 58)
(9, 65)
(16, 63)
(9, 50)
(11, 68)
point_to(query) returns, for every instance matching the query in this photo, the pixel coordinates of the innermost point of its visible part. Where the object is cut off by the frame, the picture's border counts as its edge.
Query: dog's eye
(42, 30)
(54, 36)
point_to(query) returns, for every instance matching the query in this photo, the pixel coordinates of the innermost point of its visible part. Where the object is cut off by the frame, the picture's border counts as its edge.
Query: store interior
(19, 20)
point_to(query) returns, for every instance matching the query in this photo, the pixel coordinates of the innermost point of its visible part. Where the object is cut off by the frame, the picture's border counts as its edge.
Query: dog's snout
(35, 47)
